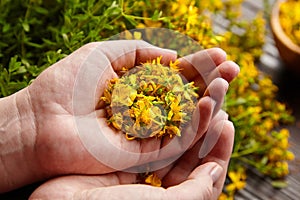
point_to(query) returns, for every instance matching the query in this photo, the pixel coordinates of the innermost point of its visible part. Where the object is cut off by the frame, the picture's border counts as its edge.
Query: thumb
(128, 53)
(199, 185)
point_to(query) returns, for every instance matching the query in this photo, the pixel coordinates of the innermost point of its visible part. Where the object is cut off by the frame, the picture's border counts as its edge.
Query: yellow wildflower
(173, 130)
(285, 132)
(275, 154)
(282, 168)
(238, 179)
(224, 196)
(268, 124)
(179, 8)
(174, 65)
(289, 156)
(283, 143)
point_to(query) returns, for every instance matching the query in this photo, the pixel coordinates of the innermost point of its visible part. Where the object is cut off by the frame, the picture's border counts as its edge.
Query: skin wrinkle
(13, 148)
(32, 140)
(35, 148)
(6, 175)
(114, 75)
(16, 105)
(34, 121)
(36, 126)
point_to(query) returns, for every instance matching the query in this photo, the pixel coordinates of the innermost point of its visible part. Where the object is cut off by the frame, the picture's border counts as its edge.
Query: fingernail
(216, 173)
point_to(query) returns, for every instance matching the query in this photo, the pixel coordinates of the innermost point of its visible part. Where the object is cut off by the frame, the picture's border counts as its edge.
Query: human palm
(187, 178)
(64, 100)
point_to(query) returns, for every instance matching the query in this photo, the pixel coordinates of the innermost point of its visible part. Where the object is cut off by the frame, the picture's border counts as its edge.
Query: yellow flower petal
(153, 180)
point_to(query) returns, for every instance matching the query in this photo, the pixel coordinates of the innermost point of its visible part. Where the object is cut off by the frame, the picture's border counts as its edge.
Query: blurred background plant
(289, 18)
(38, 33)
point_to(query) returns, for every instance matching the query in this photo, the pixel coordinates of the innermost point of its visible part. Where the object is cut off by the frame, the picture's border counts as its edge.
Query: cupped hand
(65, 117)
(187, 178)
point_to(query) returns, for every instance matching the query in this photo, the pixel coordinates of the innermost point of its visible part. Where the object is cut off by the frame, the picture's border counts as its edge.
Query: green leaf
(279, 184)
(108, 26)
(25, 26)
(41, 10)
(114, 9)
(131, 20)
(14, 65)
(156, 15)
(65, 38)
(148, 3)
(264, 160)
(6, 28)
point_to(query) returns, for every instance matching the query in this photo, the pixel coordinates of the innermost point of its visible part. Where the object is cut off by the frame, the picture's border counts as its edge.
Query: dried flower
(289, 18)
(153, 179)
(150, 100)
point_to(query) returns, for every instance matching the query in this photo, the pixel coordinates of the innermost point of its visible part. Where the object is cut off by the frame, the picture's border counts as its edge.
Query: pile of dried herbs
(150, 100)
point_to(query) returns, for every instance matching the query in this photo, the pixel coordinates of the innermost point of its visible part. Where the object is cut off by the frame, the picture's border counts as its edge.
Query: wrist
(18, 164)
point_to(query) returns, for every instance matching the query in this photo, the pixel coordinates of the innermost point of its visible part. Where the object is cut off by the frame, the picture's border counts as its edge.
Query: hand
(60, 107)
(188, 178)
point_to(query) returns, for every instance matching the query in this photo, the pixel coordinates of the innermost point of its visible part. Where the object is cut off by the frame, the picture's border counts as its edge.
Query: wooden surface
(258, 187)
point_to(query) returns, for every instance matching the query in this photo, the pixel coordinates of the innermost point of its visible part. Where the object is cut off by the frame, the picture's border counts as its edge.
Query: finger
(228, 70)
(177, 172)
(172, 148)
(213, 133)
(221, 152)
(183, 167)
(204, 66)
(217, 90)
(128, 53)
(70, 187)
(199, 184)
(223, 148)
(202, 116)
(201, 63)
(191, 134)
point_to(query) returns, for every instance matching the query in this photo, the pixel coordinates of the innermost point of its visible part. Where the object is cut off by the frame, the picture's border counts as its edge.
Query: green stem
(248, 161)
(249, 151)
(243, 153)
(121, 2)
(97, 6)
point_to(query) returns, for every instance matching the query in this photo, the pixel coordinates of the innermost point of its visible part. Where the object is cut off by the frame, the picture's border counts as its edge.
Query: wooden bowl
(289, 51)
